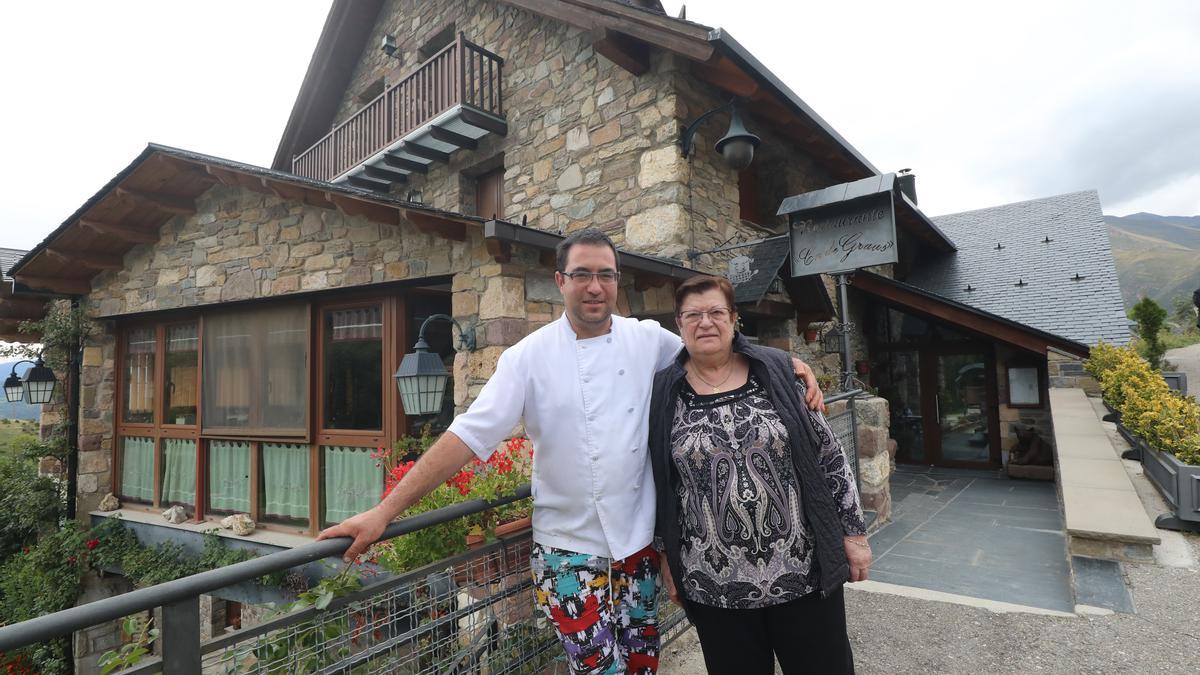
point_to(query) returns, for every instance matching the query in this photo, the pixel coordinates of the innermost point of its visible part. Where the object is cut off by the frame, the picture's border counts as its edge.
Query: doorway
(942, 391)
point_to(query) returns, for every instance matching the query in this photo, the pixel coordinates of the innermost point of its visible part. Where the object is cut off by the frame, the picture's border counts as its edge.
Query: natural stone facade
(875, 461)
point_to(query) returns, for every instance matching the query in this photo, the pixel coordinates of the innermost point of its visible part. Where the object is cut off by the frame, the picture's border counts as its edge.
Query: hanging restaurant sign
(842, 228)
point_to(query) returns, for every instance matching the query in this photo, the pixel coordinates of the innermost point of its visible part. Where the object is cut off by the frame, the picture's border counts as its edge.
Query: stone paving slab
(1099, 583)
(975, 534)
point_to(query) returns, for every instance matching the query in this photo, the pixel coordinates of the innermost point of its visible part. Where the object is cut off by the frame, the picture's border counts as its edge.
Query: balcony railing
(462, 73)
(473, 612)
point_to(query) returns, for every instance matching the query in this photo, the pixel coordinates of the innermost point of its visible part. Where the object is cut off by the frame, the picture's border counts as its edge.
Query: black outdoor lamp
(831, 342)
(736, 146)
(421, 376)
(38, 386)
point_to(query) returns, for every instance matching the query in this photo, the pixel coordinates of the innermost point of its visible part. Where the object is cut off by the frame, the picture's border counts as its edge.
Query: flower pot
(514, 526)
(810, 335)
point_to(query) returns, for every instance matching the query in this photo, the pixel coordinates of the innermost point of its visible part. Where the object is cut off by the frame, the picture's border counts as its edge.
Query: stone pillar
(93, 641)
(874, 454)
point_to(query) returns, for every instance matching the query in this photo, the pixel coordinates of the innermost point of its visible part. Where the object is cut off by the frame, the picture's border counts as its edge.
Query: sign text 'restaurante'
(844, 240)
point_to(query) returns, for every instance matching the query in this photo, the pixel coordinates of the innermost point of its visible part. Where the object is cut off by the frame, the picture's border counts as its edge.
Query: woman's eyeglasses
(717, 314)
(585, 278)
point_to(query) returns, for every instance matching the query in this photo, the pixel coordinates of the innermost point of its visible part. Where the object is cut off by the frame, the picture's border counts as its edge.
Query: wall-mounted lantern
(422, 377)
(37, 387)
(736, 146)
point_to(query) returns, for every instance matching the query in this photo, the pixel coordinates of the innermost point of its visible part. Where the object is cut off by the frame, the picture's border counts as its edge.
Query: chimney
(908, 184)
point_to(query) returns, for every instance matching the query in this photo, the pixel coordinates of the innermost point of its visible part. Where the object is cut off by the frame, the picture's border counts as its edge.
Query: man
(582, 385)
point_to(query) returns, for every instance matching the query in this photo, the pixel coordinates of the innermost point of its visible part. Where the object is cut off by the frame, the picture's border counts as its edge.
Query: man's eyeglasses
(585, 278)
(717, 314)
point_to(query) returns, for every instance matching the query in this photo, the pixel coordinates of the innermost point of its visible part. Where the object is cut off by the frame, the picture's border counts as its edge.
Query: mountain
(19, 410)
(1156, 256)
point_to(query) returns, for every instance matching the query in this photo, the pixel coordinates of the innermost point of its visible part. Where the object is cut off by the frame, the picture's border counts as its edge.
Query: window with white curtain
(353, 482)
(285, 481)
(229, 476)
(137, 469)
(255, 378)
(140, 347)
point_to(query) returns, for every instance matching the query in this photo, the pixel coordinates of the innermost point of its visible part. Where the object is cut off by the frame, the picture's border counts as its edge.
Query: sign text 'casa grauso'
(844, 237)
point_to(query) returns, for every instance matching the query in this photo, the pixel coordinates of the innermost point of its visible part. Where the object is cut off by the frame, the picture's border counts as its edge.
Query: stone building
(437, 151)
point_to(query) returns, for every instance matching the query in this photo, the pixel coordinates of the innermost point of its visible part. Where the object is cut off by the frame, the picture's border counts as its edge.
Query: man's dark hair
(589, 237)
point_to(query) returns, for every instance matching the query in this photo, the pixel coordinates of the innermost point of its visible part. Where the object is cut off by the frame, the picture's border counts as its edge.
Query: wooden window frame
(398, 336)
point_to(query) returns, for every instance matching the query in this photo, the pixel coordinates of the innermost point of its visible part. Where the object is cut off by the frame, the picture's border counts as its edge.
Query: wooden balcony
(448, 103)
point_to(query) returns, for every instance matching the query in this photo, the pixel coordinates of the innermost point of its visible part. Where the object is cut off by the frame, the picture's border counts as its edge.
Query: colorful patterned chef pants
(604, 610)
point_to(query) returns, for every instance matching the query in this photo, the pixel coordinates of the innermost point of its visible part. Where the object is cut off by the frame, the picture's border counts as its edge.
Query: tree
(1149, 316)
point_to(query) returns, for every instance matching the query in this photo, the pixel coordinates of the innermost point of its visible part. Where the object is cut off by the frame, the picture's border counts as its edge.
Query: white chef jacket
(586, 407)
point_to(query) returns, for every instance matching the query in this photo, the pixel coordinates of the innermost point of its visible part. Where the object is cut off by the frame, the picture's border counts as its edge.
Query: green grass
(14, 433)
(1173, 340)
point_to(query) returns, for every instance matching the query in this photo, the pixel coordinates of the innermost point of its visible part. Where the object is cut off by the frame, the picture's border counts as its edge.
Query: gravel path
(1187, 360)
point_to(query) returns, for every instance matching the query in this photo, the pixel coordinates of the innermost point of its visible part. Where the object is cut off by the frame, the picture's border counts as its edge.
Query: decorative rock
(240, 523)
(109, 503)
(175, 515)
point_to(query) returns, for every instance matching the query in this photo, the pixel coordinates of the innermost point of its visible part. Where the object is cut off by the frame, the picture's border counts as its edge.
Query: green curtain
(137, 468)
(229, 475)
(285, 480)
(179, 471)
(353, 482)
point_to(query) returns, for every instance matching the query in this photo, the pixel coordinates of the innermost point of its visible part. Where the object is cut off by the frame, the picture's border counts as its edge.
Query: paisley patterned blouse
(745, 542)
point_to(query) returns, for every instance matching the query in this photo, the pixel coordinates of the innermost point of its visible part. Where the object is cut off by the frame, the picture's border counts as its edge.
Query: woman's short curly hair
(702, 284)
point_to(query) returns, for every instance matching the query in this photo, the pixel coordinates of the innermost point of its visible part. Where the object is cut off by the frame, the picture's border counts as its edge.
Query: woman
(758, 514)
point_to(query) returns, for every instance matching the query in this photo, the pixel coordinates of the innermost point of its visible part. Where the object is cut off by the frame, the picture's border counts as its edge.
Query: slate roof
(8, 258)
(1029, 280)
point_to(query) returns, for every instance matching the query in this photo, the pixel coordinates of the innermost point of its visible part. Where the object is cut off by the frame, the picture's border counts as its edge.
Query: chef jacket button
(630, 410)
(608, 340)
(586, 380)
(621, 371)
(634, 449)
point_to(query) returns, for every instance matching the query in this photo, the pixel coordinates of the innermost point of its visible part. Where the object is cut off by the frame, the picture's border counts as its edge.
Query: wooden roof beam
(436, 225)
(164, 202)
(628, 53)
(283, 190)
(122, 232)
(57, 285)
(374, 212)
(92, 259)
(224, 176)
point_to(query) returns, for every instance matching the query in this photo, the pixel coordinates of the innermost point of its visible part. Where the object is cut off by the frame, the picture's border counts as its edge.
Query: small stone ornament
(240, 523)
(175, 515)
(109, 503)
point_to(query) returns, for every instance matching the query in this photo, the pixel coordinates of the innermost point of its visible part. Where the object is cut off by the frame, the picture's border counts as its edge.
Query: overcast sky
(987, 103)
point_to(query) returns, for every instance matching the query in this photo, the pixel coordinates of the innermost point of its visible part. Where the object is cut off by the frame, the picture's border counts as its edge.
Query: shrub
(1149, 316)
(1168, 421)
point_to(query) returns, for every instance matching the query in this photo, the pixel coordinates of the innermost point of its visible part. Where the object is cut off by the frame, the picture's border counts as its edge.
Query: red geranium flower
(92, 543)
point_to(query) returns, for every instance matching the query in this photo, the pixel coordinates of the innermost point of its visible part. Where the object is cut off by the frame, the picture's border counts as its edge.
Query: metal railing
(460, 73)
(472, 612)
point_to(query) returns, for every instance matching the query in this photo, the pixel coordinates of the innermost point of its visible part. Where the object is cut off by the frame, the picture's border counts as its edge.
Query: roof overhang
(978, 322)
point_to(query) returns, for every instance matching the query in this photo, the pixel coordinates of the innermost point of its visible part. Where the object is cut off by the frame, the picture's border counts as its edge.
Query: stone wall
(1066, 370)
(243, 245)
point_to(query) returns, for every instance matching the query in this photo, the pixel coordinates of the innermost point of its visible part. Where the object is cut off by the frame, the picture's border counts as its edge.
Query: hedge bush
(1168, 421)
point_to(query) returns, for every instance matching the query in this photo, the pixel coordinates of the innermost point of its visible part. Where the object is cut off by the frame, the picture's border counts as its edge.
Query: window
(137, 469)
(353, 368)
(179, 393)
(229, 476)
(285, 481)
(353, 482)
(255, 366)
(236, 429)
(440, 39)
(489, 194)
(140, 347)
(179, 471)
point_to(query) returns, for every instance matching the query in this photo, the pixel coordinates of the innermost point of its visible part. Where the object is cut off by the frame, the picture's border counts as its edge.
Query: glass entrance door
(962, 409)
